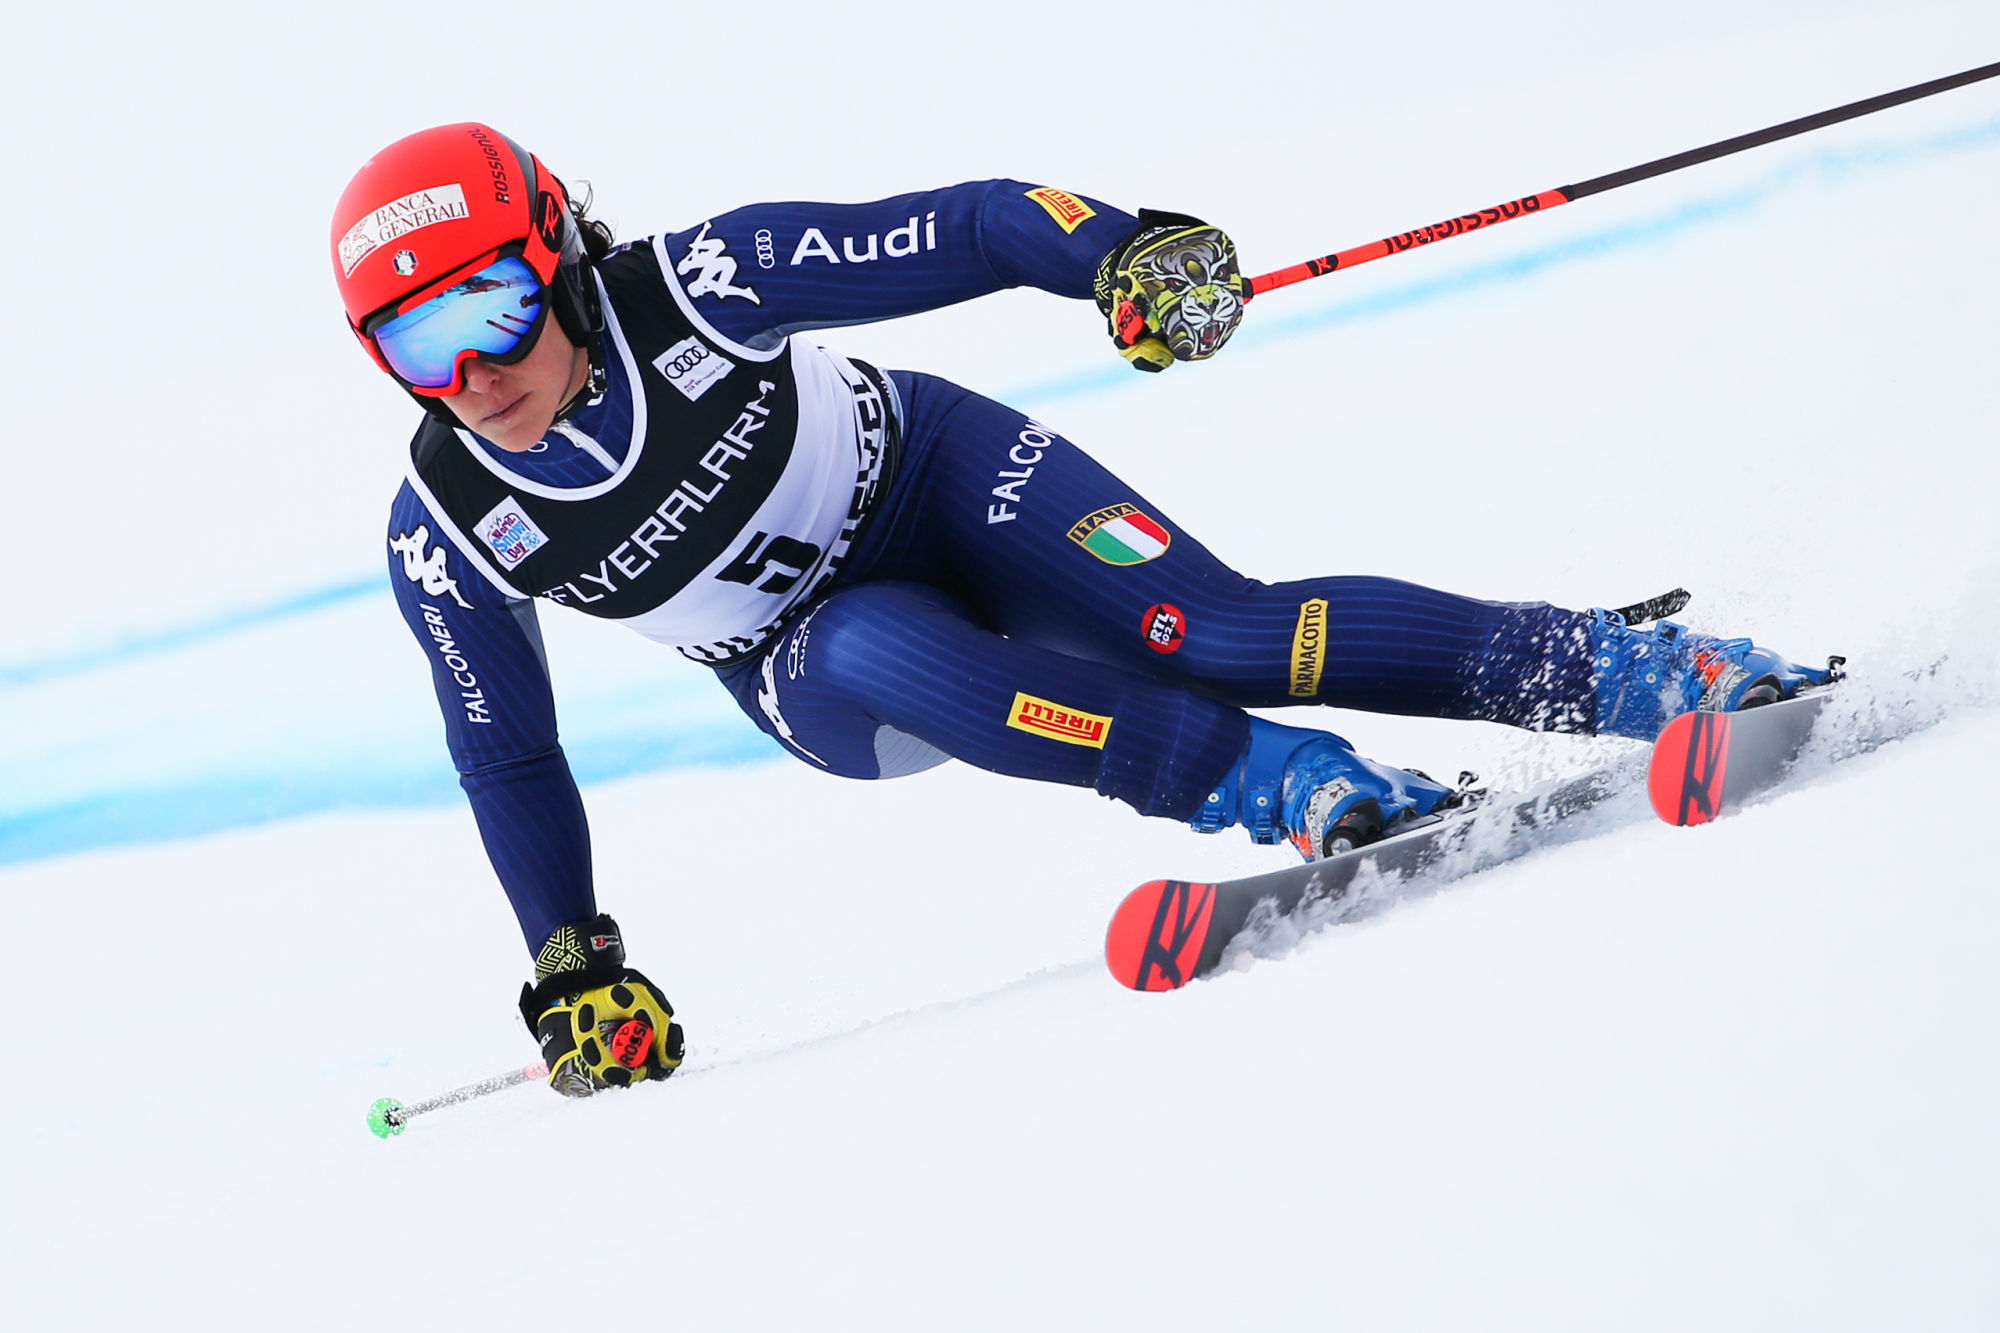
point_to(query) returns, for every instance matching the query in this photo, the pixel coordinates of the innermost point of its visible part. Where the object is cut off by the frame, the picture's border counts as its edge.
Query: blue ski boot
(1311, 789)
(1647, 677)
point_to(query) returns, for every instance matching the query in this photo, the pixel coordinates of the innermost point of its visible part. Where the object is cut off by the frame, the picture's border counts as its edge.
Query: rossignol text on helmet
(454, 243)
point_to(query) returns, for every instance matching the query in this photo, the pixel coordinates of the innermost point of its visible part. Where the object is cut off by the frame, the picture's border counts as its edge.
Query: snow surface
(1740, 1077)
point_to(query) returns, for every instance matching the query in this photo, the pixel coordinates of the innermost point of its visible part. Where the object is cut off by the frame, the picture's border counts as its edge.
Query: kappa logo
(426, 568)
(1309, 648)
(1165, 627)
(713, 270)
(1072, 726)
(1069, 211)
(691, 366)
(510, 533)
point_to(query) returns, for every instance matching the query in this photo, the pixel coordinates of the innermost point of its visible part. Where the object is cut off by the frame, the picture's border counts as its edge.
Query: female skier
(886, 570)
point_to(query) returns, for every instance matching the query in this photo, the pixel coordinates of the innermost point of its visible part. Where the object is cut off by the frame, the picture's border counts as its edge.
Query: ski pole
(387, 1116)
(1547, 199)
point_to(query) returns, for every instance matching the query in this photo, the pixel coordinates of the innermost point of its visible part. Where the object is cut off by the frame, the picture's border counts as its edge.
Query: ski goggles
(495, 313)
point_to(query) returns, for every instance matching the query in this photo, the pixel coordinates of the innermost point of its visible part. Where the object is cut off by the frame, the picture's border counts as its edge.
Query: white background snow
(1740, 1077)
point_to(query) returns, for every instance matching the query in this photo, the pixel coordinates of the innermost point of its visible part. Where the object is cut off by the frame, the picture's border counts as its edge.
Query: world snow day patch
(510, 534)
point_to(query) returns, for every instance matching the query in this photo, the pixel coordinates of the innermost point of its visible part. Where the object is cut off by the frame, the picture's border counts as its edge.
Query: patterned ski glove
(1171, 292)
(600, 1023)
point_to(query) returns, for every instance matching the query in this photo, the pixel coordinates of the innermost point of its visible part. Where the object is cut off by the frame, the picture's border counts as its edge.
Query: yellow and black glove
(1171, 292)
(600, 1023)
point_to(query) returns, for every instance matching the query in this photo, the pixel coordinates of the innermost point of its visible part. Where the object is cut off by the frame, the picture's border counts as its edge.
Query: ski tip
(1157, 933)
(1690, 760)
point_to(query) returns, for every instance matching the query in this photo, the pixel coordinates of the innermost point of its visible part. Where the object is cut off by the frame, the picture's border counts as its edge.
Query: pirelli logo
(1309, 648)
(1052, 720)
(1069, 211)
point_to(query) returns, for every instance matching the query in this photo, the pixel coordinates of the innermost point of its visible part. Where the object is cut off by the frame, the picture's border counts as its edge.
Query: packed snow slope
(1738, 1077)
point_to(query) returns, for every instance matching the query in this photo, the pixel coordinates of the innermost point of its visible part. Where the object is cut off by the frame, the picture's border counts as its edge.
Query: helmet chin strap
(580, 313)
(593, 386)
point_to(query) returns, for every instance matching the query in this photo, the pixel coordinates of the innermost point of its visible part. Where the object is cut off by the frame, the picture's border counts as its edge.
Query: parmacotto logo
(400, 217)
(1070, 725)
(1309, 648)
(1069, 211)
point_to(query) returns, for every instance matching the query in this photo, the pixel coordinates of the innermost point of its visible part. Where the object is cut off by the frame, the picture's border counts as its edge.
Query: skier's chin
(516, 425)
(514, 419)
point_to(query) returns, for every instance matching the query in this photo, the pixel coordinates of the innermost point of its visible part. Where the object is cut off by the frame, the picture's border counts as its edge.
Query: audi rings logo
(767, 254)
(686, 361)
(692, 366)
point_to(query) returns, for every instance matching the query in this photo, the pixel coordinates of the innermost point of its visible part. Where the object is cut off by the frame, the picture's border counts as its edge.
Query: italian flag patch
(1121, 535)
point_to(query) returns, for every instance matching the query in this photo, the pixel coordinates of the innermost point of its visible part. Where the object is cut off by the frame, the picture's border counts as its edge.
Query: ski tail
(1158, 934)
(1708, 764)
(1690, 764)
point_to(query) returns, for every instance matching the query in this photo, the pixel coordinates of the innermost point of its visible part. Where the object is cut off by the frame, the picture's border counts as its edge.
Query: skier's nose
(481, 375)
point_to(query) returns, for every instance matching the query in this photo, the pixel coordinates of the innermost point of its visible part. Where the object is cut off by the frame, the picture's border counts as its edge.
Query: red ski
(1169, 932)
(1705, 764)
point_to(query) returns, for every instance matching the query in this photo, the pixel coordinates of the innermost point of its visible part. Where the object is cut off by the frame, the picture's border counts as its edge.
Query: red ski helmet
(432, 209)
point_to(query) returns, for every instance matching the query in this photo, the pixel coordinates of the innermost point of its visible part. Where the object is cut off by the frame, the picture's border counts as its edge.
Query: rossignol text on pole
(1547, 199)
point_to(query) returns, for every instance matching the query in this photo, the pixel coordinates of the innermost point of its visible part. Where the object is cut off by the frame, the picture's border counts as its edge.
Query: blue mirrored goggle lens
(488, 313)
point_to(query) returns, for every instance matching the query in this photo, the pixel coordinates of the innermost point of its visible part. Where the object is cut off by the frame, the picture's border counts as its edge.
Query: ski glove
(600, 1023)
(1171, 291)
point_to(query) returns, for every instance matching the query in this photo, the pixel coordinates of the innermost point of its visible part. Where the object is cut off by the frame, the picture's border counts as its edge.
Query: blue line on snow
(221, 625)
(209, 804)
(213, 803)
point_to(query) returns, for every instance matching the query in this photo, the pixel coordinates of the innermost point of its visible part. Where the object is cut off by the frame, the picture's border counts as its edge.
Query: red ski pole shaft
(1547, 199)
